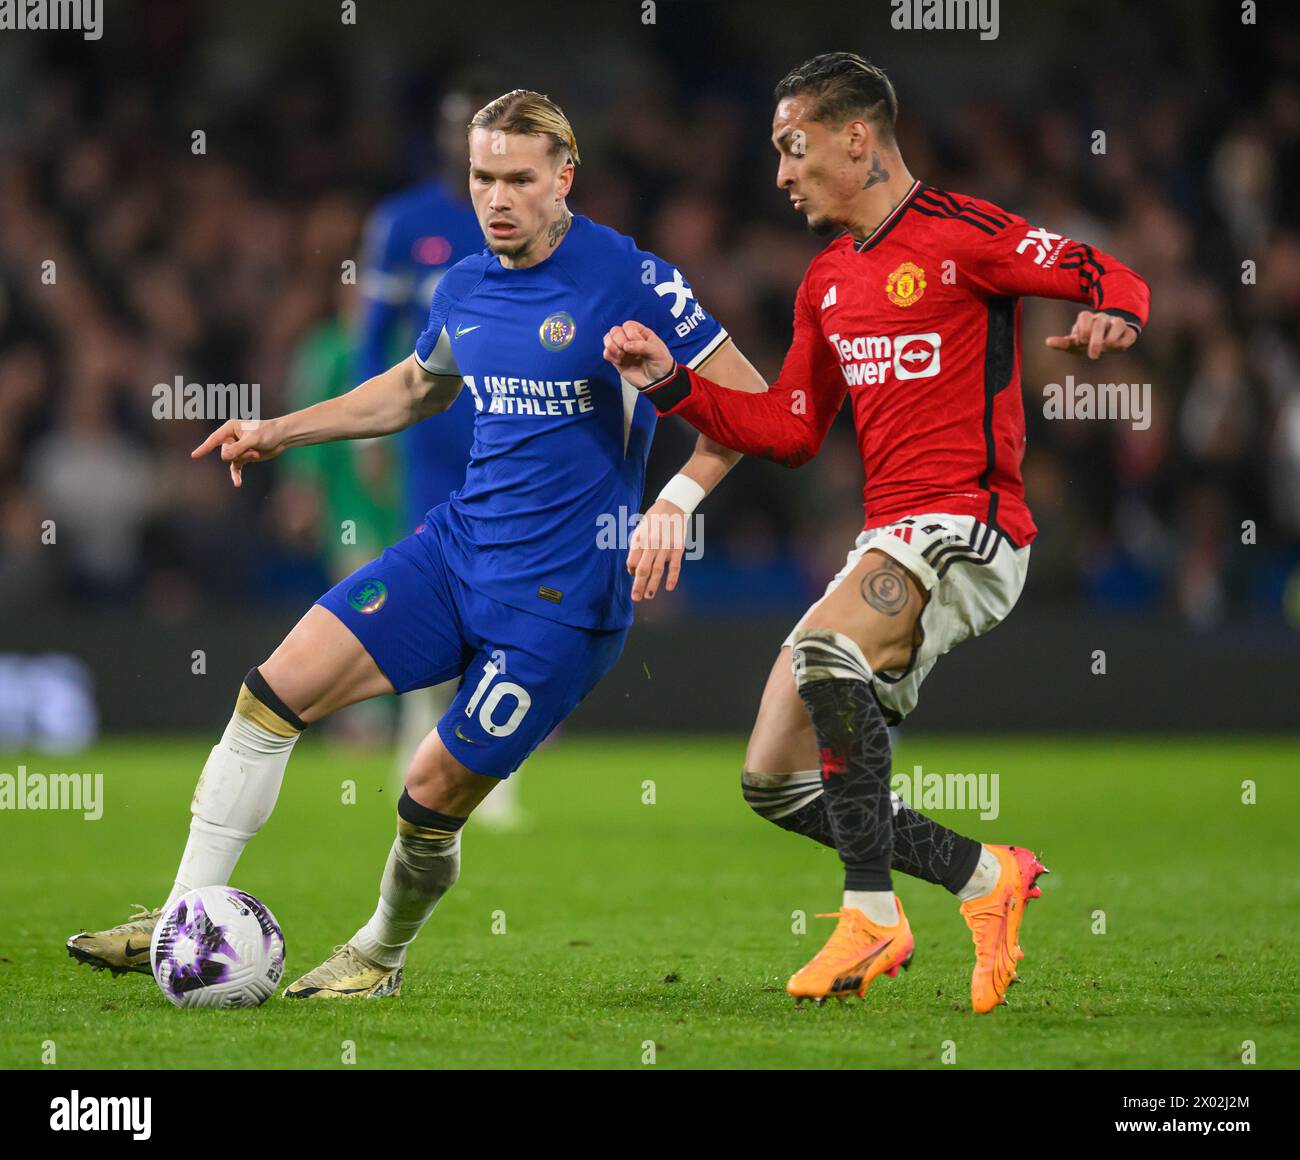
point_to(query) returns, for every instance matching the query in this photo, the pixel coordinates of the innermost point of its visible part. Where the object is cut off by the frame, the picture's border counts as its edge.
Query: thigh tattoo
(885, 588)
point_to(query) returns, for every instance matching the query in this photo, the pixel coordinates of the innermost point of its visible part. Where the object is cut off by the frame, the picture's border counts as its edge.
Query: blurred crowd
(127, 259)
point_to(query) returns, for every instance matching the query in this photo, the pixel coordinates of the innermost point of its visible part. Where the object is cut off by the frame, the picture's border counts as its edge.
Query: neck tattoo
(558, 228)
(877, 174)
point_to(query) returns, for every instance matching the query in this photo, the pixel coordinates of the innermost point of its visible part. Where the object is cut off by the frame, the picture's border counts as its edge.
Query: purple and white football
(217, 947)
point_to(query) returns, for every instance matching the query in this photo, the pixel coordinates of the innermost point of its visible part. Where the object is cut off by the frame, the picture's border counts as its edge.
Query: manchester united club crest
(557, 331)
(905, 285)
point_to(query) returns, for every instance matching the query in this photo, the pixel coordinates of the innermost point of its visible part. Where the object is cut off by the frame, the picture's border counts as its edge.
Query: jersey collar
(890, 221)
(550, 261)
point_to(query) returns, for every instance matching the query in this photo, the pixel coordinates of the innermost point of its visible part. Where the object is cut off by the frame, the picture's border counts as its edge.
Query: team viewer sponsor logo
(868, 361)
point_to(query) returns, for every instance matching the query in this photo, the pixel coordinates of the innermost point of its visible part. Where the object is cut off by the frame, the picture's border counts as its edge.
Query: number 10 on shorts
(487, 710)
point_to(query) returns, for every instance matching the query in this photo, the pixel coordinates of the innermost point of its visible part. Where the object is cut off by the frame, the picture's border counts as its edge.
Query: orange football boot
(994, 920)
(857, 951)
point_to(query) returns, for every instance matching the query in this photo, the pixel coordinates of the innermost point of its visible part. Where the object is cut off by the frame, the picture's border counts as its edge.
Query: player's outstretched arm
(787, 423)
(1009, 256)
(404, 394)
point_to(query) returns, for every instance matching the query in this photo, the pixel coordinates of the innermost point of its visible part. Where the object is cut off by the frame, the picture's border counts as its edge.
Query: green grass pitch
(670, 923)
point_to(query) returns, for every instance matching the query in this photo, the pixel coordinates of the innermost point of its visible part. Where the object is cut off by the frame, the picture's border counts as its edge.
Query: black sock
(795, 802)
(853, 740)
(922, 847)
(925, 849)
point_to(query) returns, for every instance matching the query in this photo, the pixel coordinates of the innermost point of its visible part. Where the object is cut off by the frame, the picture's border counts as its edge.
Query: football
(217, 947)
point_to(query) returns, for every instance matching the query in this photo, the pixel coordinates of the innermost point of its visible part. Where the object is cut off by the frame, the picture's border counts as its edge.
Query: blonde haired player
(505, 585)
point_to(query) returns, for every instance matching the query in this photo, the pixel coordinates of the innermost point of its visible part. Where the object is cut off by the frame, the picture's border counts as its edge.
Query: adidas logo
(829, 300)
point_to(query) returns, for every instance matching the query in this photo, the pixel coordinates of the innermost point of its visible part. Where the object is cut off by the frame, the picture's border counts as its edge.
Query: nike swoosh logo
(466, 329)
(131, 951)
(467, 740)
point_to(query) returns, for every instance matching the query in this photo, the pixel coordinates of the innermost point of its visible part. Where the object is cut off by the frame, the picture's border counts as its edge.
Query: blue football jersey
(412, 239)
(560, 441)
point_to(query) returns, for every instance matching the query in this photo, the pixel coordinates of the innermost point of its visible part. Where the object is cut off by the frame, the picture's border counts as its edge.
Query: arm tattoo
(558, 229)
(885, 588)
(877, 174)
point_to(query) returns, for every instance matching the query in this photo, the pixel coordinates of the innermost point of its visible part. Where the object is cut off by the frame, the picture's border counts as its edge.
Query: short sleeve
(433, 347)
(665, 302)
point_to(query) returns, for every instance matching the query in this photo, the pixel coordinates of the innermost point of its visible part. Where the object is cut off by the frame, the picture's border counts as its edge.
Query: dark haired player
(914, 312)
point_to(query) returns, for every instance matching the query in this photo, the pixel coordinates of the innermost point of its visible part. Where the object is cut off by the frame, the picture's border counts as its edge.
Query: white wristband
(683, 491)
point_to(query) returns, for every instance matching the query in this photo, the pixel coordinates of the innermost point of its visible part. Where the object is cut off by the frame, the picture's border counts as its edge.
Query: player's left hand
(1095, 332)
(658, 543)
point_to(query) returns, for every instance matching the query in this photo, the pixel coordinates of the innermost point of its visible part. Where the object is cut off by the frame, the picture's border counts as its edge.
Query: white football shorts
(974, 576)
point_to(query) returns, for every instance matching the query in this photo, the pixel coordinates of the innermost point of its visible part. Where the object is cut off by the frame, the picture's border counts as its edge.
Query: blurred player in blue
(412, 239)
(515, 583)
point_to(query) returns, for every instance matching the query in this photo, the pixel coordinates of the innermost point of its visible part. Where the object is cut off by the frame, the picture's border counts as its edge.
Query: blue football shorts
(422, 624)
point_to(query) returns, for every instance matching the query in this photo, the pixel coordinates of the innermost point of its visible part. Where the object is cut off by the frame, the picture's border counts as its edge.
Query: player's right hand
(242, 441)
(639, 354)
(657, 546)
(1094, 333)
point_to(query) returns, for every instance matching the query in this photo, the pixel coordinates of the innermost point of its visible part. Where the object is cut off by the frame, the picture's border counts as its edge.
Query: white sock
(987, 871)
(419, 872)
(878, 905)
(235, 795)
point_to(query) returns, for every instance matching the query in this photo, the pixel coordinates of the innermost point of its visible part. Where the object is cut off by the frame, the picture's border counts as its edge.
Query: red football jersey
(919, 324)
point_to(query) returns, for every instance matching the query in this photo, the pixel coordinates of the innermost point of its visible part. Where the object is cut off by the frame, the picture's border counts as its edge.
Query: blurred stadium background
(225, 267)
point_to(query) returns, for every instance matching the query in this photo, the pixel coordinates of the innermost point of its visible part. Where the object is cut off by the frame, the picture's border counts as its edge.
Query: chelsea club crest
(557, 331)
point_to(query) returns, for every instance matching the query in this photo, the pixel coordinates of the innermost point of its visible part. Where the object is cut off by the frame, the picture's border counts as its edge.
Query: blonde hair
(530, 114)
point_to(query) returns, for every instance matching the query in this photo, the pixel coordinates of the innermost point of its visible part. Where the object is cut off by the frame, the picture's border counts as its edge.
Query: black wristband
(1132, 319)
(667, 392)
